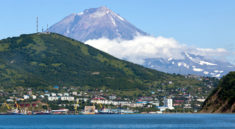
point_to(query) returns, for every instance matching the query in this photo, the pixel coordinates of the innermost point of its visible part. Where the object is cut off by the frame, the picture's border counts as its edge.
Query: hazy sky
(200, 23)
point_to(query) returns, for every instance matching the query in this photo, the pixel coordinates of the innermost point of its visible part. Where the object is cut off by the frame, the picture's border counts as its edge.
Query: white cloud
(209, 51)
(142, 47)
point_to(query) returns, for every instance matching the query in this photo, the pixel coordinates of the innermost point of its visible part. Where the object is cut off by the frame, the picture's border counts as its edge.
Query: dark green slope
(222, 99)
(52, 59)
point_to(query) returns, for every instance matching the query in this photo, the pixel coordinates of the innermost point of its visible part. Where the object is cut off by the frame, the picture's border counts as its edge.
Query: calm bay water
(156, 121)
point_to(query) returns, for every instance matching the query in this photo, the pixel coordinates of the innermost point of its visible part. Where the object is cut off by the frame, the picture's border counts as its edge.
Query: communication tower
(37, 24)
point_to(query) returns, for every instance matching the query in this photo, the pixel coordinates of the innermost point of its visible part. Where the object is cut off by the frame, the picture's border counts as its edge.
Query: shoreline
(2, 114)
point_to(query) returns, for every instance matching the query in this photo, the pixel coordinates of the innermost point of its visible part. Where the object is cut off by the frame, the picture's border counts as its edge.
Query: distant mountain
(96, 23)
(41, 60)
(101, 22)
(191, 64)
(222, 100)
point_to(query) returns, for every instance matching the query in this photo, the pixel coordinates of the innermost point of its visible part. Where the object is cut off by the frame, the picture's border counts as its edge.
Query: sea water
(134, 121)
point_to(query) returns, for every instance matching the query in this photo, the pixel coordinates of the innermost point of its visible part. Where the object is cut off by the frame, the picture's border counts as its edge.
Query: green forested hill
(51, 59)
(222, 99)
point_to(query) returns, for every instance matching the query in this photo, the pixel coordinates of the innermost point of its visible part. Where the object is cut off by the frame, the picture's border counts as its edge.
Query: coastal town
(84, 100)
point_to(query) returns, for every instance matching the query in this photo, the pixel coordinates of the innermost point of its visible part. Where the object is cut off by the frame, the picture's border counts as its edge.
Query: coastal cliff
(222, 99)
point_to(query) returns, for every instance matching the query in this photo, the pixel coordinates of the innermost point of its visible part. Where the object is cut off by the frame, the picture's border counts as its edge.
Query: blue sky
(200, 23)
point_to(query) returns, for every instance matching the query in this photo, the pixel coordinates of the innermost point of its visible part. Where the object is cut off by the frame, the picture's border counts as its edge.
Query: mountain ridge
(39, 60)
(191, 64)
(222, 99)
(95, 23)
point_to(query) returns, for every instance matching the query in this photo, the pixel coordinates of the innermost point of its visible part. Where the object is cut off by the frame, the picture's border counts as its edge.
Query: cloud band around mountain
(143, 47)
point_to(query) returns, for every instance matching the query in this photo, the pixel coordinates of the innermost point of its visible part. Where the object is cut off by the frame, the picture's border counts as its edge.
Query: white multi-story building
(112, 97)
(201, 100)
(66, 94)
(60, 94)
(41, 96)
(67, 98)
(53, 94)
(47, 95)
(34, 97)
(168, 103)
(26, 96)
(53, 98)
(83, 99)
(74, 93)
(156, 103)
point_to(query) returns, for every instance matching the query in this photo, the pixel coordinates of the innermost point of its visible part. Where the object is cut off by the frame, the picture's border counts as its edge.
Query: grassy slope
(52, 59)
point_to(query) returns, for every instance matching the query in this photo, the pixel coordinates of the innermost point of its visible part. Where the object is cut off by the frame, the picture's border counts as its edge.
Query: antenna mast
(47, 27)
(37, 24)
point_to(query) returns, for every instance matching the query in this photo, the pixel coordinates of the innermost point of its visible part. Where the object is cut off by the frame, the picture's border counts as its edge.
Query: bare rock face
(222, 99)
(96, 23)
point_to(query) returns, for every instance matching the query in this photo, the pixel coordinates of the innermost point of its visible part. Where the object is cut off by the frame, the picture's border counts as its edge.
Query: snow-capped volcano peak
(96, 23)
(97, 12)
(101, 12)
(135, 45)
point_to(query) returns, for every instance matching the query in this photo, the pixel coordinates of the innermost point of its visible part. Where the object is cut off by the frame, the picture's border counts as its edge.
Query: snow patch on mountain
(98, 14)
(197, 69)
(120, 17)
(217, 71)
(215, 75)
(169, 59)
(186, 66)
(67, 31)
(188, 56)
(113, 21)
(179, 64)
(206, 63)
(81, 13)
(183, 64)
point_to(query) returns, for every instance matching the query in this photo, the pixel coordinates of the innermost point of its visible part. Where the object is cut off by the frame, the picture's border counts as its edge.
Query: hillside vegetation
(39, 60)
(222, 99)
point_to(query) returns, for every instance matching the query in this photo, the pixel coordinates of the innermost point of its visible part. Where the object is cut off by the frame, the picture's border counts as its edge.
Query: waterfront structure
(89, 110)
(60, 111)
